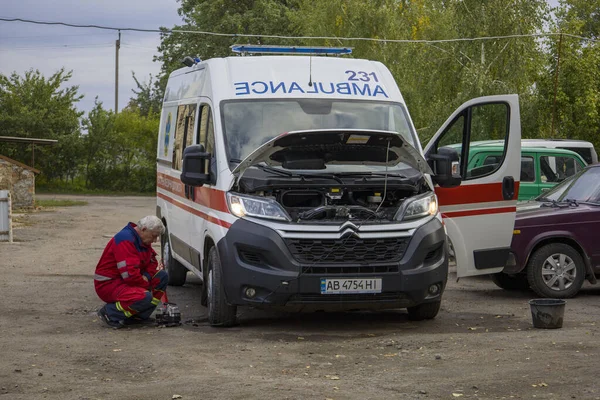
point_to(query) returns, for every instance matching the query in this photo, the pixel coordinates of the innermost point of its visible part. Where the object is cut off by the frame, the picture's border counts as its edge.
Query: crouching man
(128, 277)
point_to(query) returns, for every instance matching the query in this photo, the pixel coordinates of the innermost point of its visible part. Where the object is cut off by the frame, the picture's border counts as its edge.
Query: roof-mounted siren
(190, 62)
(246, 49)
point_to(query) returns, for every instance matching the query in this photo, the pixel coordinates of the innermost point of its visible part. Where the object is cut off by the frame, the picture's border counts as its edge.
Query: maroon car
(556, 242)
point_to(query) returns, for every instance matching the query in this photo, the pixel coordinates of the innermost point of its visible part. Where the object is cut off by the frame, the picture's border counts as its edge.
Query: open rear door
(480, 213)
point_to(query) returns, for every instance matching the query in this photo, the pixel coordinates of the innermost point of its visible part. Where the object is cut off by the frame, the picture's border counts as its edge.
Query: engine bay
(333, 198)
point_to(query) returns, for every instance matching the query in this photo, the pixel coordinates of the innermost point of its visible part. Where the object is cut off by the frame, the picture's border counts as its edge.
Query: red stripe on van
(192, 210)
(471, 213)
(208, 197)
(469, 194)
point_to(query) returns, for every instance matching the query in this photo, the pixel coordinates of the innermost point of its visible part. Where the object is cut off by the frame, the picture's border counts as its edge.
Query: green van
(541, 168)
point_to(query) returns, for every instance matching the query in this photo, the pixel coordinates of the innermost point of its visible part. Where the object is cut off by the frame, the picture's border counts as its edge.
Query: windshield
(249, 124)
(583, 187)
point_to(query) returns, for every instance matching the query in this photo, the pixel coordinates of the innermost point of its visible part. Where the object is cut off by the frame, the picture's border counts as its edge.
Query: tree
(265, 17)
(32, 106)
(98, 144)
(120, 150)
(148, 97)
(572, 76)
(435, 78)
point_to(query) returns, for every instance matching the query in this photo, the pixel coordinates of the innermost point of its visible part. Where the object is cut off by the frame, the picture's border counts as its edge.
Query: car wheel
(177, 272)
(424, 311)
(510, 282)
(219, 312)
(556, 270)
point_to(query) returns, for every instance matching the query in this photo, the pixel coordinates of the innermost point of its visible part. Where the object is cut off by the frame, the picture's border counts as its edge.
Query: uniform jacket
(126, 258)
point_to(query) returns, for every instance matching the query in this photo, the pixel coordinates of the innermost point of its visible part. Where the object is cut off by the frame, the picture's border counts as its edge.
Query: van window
(186, 116)
(249, 124)
(585, 153)
(527, 169)
(556, 169)
(485, 122)
(206, 131)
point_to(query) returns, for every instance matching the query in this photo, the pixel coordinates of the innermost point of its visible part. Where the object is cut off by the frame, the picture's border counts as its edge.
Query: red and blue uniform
(119, 277)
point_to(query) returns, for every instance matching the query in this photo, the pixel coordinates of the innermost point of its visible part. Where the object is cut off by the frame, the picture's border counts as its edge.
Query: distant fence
(5, 217)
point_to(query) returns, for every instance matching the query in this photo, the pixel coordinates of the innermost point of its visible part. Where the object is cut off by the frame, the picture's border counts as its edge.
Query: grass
(90, 192)
(59, 203)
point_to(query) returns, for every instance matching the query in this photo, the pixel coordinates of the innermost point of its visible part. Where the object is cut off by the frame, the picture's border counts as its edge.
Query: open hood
(313, 149)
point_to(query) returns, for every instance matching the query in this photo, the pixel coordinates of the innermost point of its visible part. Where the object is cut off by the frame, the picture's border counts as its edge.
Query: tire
(424, 311)
(219, 312)
(546, 280)
(177, 271)
(510, 282)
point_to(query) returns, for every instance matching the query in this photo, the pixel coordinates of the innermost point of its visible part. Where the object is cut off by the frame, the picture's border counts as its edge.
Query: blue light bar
(241, 48)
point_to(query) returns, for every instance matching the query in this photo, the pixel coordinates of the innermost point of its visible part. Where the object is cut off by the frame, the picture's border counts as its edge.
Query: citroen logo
(349, 230)
(348, 226)
(349, 233)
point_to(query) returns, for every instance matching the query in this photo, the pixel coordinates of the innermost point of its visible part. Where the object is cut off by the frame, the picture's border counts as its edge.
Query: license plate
(350, 285)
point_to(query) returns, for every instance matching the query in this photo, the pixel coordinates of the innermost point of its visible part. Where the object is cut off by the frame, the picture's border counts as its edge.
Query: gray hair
(151, 223)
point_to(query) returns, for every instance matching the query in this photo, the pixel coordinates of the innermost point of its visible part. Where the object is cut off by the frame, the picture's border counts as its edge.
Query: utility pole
(117, 47)
(556, 82)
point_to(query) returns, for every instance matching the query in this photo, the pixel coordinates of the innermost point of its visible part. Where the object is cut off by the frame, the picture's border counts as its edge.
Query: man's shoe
(103, 314)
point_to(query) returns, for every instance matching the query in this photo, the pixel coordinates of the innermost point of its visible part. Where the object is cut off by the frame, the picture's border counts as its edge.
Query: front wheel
(424, 311)
(177, 272)
(556, 270)
(219, 312)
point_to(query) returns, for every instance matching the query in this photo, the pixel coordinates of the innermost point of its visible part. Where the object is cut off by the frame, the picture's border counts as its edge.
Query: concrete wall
(20, 181)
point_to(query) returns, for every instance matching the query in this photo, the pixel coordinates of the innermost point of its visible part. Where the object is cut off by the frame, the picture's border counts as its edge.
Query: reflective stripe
(125, 275)
(101, 278)
(121, 264)
(155, 301)
(120, 308)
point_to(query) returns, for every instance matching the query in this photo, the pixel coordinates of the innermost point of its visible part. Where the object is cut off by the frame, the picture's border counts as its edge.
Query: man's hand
(160, 266)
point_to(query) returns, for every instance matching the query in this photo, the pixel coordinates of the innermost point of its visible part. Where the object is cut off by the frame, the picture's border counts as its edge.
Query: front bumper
(255, 256)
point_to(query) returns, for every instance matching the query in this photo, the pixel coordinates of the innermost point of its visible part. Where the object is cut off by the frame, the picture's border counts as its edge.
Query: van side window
(557, 168)
(186, 116)
(480, 122)
(206, 136)
(527, 169)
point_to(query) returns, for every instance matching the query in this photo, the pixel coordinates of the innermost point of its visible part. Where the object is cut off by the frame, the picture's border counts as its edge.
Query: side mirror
(193, 170)
(445, 165)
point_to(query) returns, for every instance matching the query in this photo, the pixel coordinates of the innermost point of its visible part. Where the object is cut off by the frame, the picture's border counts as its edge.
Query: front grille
(251, 257)
(347, 250)
(349, 298)
(358, 269)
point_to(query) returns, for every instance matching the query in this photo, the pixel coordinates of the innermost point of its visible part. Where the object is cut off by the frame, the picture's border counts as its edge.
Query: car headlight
(241, 206)
(418, 207)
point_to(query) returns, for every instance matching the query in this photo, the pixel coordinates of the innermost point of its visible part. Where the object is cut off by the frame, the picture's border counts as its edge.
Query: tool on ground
(167, 314)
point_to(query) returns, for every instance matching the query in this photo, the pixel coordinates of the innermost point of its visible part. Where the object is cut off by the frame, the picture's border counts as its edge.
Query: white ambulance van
(298, 181)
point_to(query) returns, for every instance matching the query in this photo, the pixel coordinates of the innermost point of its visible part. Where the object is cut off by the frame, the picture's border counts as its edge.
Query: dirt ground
(482, 344)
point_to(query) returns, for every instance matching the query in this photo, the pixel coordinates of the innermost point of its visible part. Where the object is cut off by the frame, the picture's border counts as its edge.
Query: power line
(248, 35)
(64, 46)
(52, 36)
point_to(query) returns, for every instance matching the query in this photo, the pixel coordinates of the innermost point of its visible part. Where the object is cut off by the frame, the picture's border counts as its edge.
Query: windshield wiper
(235, 160)
(266, 168)
(572, 202)
(552, 203)
(370, 174)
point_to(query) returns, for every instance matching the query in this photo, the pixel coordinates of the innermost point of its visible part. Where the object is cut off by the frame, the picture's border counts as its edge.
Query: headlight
(241, 206)
(418, 207)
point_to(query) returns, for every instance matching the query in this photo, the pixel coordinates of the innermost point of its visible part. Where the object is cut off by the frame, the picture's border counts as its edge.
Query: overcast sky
(90, 53)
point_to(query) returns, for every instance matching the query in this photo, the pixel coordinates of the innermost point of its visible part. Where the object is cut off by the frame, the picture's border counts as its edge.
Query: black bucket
(547, 313)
